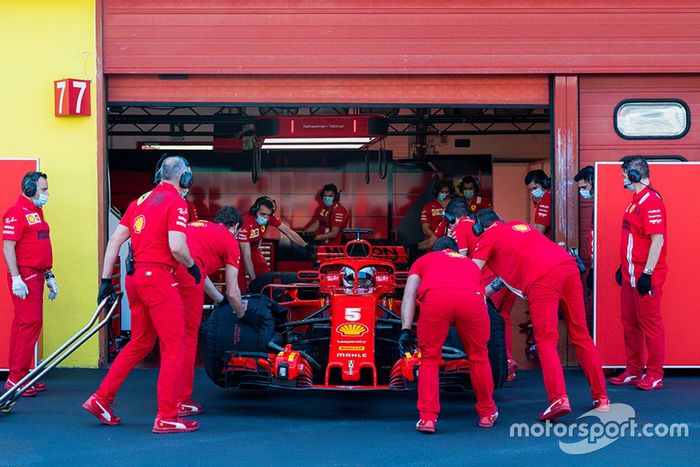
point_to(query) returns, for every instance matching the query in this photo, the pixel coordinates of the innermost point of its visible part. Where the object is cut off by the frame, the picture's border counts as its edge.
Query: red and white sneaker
(31, 391)
(39, 386)
(174, 425)
(649, 383)
(556, 409)
(625, 378)
(187, 408)
(489, 420)
(102, 410)
(426, 426)
(602, 404)
(512, 369)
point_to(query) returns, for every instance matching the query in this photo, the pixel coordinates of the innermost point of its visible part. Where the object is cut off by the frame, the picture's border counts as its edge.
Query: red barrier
(12, 170)
(677, 183)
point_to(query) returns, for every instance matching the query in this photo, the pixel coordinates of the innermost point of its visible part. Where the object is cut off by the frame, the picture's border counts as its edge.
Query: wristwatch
(648, 271)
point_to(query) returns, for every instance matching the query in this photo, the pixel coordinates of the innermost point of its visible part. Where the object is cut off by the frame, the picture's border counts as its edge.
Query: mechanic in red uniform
(458, 215)
(545, 273)
(213, 246)
(448, 286)
(470, 189)
(641, 275)
(431, 218)
(156, 224)
(539, 185)
(584, 180)
(255, 223)
(329, 220)
(27, 249)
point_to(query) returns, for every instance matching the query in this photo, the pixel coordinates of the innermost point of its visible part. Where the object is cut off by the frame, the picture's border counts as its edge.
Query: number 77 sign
(71, 97)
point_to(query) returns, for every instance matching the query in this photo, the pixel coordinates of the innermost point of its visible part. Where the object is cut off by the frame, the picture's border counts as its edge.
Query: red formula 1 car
(335, 327)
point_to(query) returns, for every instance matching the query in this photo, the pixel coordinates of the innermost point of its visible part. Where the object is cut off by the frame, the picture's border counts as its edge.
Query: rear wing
(362, 249)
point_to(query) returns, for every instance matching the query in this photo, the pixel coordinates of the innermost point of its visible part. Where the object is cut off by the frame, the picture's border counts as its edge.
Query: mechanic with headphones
(157, 178)
(431, 216)
(27, 249)
(471, 189)
(330, 219)
(156, 222)
(256, 222)
(449, 288)
(539, 185)
(544, 273)
(641, 276)
(584, 180)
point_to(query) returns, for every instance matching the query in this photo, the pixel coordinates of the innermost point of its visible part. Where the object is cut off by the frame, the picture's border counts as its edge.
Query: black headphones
(29, 183)
(259, 202)
(634, 176)
(470, 179)
(186, 178)
(449, 217)
(330, 187)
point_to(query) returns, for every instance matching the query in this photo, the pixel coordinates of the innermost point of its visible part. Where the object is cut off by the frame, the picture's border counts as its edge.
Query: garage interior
(384, 185)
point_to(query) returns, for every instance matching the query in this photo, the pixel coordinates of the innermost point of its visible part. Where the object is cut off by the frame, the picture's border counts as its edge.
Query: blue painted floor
(333, 428)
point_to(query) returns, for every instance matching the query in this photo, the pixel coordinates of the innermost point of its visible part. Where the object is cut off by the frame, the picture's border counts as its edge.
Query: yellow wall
(43, 41)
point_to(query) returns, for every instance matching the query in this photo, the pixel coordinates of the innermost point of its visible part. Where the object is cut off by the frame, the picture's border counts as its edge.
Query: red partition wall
(677, 182)
(12, 170)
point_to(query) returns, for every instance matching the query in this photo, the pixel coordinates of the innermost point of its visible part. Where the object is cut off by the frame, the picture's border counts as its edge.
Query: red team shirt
(645, 215)
(212, 246)
(432, 214)
(252, 232)
(463, 234)
(477, 203)
(150, 218)
(333, 216)
(446, 269)
(518, 253)
(543, 209)
(24, 223)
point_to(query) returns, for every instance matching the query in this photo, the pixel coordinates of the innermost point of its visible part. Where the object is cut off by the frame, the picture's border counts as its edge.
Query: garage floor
(330, 428)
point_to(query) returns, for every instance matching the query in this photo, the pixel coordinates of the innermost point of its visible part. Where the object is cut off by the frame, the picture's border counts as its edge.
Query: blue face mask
(538, 192)
(585, 194)
(328, 200)
(42, 200)
(469, 194)
(442, 196)
(628, 185)
(261, 220)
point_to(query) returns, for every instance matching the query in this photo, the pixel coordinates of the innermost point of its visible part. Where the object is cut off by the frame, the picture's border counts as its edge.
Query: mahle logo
(595, 430)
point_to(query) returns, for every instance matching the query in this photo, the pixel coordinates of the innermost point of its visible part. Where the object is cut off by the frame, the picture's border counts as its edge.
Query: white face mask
(538, 192)
(585, 194)
(42, 200)
(469, 194)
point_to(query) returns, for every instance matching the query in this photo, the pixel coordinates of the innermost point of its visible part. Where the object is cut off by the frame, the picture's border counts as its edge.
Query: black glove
(407, 342)
(253, 319)
(194, 272)
(618, 276)
(644, 284)
(106, 290)
(589, 278)
(310, 249)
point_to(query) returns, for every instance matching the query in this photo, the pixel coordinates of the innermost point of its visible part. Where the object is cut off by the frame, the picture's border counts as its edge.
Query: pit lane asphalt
(329, 428)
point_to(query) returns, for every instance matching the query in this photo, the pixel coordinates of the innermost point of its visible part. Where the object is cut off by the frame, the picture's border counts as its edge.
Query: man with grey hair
(641, 276)
(156, 223)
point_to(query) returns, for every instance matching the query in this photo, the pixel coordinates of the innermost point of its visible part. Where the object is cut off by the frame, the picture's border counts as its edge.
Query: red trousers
(642, 323)
(259, 266)
(156, 312)
(439, 310)
(562, 285)
(26, 325)
(193, 301)
(504, 301)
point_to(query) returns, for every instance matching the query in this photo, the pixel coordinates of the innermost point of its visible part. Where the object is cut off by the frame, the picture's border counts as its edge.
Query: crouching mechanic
(536, 268)
(156, 223)
(212, 246)
(450, 291)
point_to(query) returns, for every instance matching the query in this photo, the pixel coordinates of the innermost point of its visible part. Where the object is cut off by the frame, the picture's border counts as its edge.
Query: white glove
(19, 288)
(53, 287)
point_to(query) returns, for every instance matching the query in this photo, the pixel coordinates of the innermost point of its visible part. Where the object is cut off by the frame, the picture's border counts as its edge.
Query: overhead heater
(315, 132)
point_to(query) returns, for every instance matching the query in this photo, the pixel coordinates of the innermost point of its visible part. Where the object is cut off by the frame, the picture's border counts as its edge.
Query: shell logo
(521, 228)
(139, 224)
(352, 329)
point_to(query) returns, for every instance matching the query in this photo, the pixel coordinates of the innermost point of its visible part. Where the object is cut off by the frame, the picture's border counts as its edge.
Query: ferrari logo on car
(352, 329)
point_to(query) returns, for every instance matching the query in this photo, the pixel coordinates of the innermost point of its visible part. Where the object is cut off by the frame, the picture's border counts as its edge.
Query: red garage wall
(599, 95)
